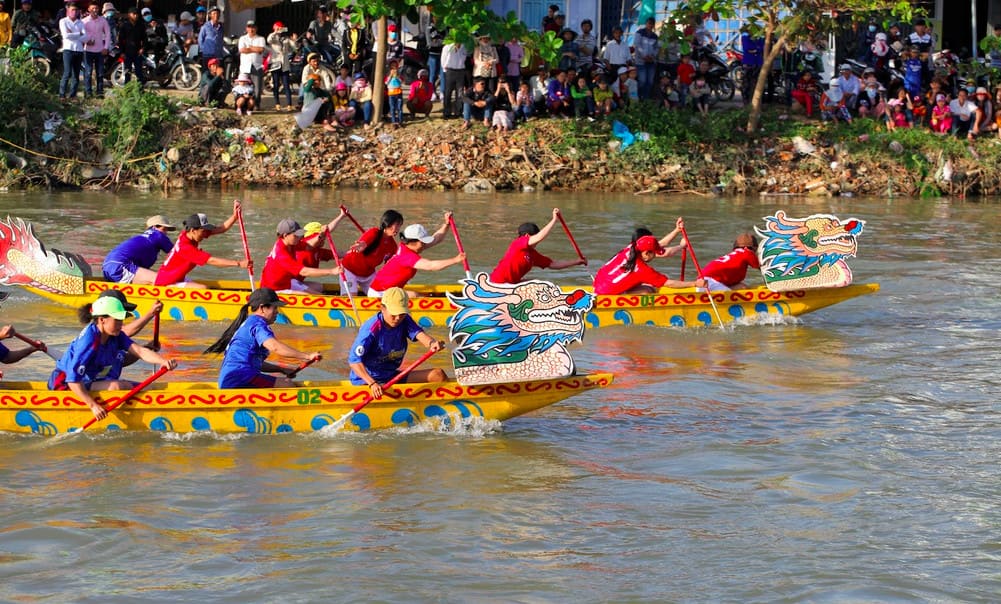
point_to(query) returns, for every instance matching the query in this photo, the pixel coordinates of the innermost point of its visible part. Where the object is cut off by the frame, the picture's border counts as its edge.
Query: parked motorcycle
(44, 47)
(718, 76)
(172, 68)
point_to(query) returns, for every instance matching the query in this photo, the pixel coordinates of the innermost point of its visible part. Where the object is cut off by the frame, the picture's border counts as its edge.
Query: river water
(849, 456)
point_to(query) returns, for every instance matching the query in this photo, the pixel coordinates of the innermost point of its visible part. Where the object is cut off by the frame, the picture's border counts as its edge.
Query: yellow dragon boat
(29, 407)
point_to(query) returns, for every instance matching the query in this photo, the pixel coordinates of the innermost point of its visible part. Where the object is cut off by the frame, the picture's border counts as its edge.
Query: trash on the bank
(225, 157)
(259, 148)
(385, 139)
(803, 146)
(643, 136)
(622, 132)
(357, 139)
(305, 117)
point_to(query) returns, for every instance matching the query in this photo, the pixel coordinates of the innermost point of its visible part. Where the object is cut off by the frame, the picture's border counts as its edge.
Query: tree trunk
(379, 74)
(754, 116)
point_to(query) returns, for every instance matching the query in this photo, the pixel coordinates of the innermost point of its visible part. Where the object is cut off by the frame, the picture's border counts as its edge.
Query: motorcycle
(171, 68)
(717, 76)
(413, 62)
(44, 49)
(230, 57)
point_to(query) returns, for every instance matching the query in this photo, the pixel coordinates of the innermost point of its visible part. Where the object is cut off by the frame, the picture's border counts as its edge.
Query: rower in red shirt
(521, 255)
(186, 254)
(402, 267)
(629, 272)
(282, 271)
(729, 271)
(310, 252)
(376, 245)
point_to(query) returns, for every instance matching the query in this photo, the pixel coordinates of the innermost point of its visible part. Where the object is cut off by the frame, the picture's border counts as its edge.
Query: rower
(131, 260)
(521, 256)
(94, 360)
(629, 271)
(248, 341)
(376, 245)
(131, 328)
(286, 273)
(381, 344)
(311, 251)
(401, 268)
(186, 255)
(8, 356)
(729, 271)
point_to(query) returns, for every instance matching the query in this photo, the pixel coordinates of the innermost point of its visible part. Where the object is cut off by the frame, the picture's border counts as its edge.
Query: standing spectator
(751, 59)
(185, 28)
(354, 47)
(394, 48)
(558, 95)
(74, 36)
(485, 61)
(913, 72)
(132, 43)
(6, 29)
(504, 100)
(320, 31)
(686, 75)
(549, 21)
(111, 16)
(281, 48)
(21, 22)
(201, 16)
(587, 48)
(156, 33)
(515, 55)
(963, 111)
(524, 103)
(647, 47)
(95, 49)
(993, 44)
(394, 92)
(616, 54)
(251, 48)
(453, 61)
(569, 51)
(922, 38)
(210, 38)
(421, 92)
(435, 41)
(361, 98)
(477, 103)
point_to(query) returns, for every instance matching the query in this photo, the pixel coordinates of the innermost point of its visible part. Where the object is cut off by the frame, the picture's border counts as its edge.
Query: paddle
(368, 399)
(135, 390)
(36, 344)
(302, 366)
(684, 260)
(458, 244)
(573, 241)
(698, 268)
(246, 247)
(155, 344)
(344, 283)
(361, 229)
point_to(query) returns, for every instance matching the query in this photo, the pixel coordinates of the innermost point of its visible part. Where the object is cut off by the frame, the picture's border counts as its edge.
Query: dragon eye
(852, 225)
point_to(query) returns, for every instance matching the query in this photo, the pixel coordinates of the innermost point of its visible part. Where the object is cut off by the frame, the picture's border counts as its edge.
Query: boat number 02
(308, 397)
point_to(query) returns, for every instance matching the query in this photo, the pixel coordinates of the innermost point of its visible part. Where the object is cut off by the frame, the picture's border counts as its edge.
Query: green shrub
(133, 121)
(23, 93)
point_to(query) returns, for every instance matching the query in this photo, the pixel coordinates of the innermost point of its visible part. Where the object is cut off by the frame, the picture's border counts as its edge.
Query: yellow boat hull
(29, 407)
(666, 308)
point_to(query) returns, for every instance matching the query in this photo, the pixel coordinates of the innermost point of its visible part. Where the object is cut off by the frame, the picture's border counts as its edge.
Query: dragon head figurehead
(508, 332)
(804, 253)
(25, 261)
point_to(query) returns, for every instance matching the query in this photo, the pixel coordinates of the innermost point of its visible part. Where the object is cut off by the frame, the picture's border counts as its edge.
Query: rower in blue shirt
(131, 260)
(382, 341)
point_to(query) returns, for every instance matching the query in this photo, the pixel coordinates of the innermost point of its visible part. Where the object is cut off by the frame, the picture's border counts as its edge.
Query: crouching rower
(248, 341)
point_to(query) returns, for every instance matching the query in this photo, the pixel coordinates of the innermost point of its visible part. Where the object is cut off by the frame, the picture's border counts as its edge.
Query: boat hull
(28, 407)
(666, 308)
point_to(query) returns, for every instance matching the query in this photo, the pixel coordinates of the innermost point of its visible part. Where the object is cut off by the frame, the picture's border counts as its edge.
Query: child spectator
(604, 98)
(664, 94)
(941, 117)
(871, 102)
(394, 92)
(243, 95)
(806, 88)
(686, 74)
(524, 103)
(700, 92)
(421, 92)
(343, 75)
(340, 103)
(558, 95)
(361, 98)
(913, 71)
(583, 100)
(919, 110)
(832, 104)
(896, 115)
(503, 117)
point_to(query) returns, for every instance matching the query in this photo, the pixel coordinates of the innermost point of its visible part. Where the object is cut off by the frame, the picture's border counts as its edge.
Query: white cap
(417, 232)
(186, 16)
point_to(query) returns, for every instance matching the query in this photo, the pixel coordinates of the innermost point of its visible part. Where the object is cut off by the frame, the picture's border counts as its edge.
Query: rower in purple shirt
(131, 260)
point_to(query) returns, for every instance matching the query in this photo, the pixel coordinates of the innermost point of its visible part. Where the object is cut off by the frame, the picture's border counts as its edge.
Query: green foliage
(23, 92)
(991, 43)
(133, 121)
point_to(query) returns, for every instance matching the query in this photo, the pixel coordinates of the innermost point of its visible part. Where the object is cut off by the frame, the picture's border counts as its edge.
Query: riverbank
(673, 152)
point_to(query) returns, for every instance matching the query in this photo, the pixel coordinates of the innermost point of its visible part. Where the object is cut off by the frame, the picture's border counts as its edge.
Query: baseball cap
(118, 295)
(264, 296)
(198, 221)
(289, 226)
(417, 232)
(313, 228)
(212, 62)
(648, 243)
(623, 70)
(845, 67)
(939, 97)
(251, 23)
(200, 9)
(147, 11)
(108, 306)
(186, 16)
(160, 221)
(395, 300)
(359, 76)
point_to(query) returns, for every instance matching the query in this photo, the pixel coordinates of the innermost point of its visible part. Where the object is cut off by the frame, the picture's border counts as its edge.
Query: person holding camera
(282, 46)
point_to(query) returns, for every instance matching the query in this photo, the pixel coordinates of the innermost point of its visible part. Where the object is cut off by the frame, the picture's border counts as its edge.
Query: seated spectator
(941, 116)
(558, 95)
(313, 90)
(621, 87)
(477, 103)
(214, 87)
(539, 84)
(963, 111)
(243, 95)
(343, 75)
(503, 117)
(896, 115)
(700, 93)
(664, 93)
(524, 103)
(805, 91)
(832, 104)
(918, 110)
(604, 98)
(983, 118)
(872, 102)
(997, 114)
(340, 104)
(361, 98)
(850, 85)
(421, 93)
(583, 100)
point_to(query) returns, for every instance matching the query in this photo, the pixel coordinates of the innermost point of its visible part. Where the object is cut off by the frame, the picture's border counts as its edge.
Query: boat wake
(766, 319)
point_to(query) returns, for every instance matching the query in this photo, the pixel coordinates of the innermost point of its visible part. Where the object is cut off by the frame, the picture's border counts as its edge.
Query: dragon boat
(509, 359)
(802, 262)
